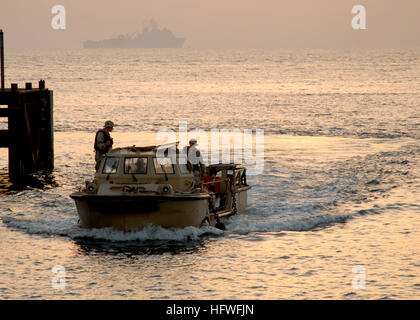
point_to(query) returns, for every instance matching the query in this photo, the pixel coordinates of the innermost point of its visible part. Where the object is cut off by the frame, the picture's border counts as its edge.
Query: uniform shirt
(100, 142)
(101, 145)
(194, 155)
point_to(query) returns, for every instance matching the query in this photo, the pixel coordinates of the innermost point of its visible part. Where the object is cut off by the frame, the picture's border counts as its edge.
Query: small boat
(133, 189)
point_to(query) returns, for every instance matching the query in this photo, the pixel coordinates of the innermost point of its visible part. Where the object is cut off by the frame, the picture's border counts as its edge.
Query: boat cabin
(137, 170)
(139, 165)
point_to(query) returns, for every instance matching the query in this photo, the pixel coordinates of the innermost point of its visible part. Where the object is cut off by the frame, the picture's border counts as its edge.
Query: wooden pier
(29, 136)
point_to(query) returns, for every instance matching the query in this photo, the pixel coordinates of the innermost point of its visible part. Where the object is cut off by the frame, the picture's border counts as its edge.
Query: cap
(109, 123)
(193, 140)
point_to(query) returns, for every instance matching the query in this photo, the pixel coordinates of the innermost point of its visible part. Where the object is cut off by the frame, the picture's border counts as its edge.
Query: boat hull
(135, 212)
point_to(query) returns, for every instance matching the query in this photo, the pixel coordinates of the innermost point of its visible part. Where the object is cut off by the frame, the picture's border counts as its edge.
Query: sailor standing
(103, 142)
(196, 160)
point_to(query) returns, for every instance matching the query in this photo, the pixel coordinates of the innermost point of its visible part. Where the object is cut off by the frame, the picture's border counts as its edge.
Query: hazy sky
(216, 23)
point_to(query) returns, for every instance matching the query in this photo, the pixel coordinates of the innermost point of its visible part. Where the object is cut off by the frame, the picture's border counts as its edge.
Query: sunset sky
(216, 23)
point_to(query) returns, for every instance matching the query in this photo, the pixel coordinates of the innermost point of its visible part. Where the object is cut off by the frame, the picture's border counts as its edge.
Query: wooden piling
(2, 59)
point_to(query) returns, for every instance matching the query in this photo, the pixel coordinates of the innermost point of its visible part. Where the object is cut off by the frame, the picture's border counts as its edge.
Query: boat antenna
(164, 171)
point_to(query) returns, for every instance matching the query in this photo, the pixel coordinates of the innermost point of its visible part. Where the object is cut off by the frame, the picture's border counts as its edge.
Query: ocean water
(334, 214)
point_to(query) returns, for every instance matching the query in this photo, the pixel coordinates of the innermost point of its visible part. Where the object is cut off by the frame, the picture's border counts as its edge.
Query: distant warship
(150, 38)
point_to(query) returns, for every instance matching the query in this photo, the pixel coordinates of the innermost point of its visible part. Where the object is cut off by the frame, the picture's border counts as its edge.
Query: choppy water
(339, 189)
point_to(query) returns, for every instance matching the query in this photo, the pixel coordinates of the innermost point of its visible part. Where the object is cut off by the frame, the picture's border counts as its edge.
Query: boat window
(111, 165)
(183, 167)
(164, 167)
(135, 165)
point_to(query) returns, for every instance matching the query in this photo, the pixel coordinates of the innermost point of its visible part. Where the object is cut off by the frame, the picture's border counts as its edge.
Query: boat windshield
(164, 167)
(135, 165)
(111, 165)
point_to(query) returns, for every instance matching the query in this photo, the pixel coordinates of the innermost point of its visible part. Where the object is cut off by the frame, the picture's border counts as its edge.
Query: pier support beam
(30, 133)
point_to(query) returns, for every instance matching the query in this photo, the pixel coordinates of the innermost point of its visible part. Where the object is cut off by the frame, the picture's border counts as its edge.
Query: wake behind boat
(132, 189)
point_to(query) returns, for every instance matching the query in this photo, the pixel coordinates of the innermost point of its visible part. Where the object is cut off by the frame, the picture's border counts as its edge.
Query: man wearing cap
(103, 142)
(196, 160)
